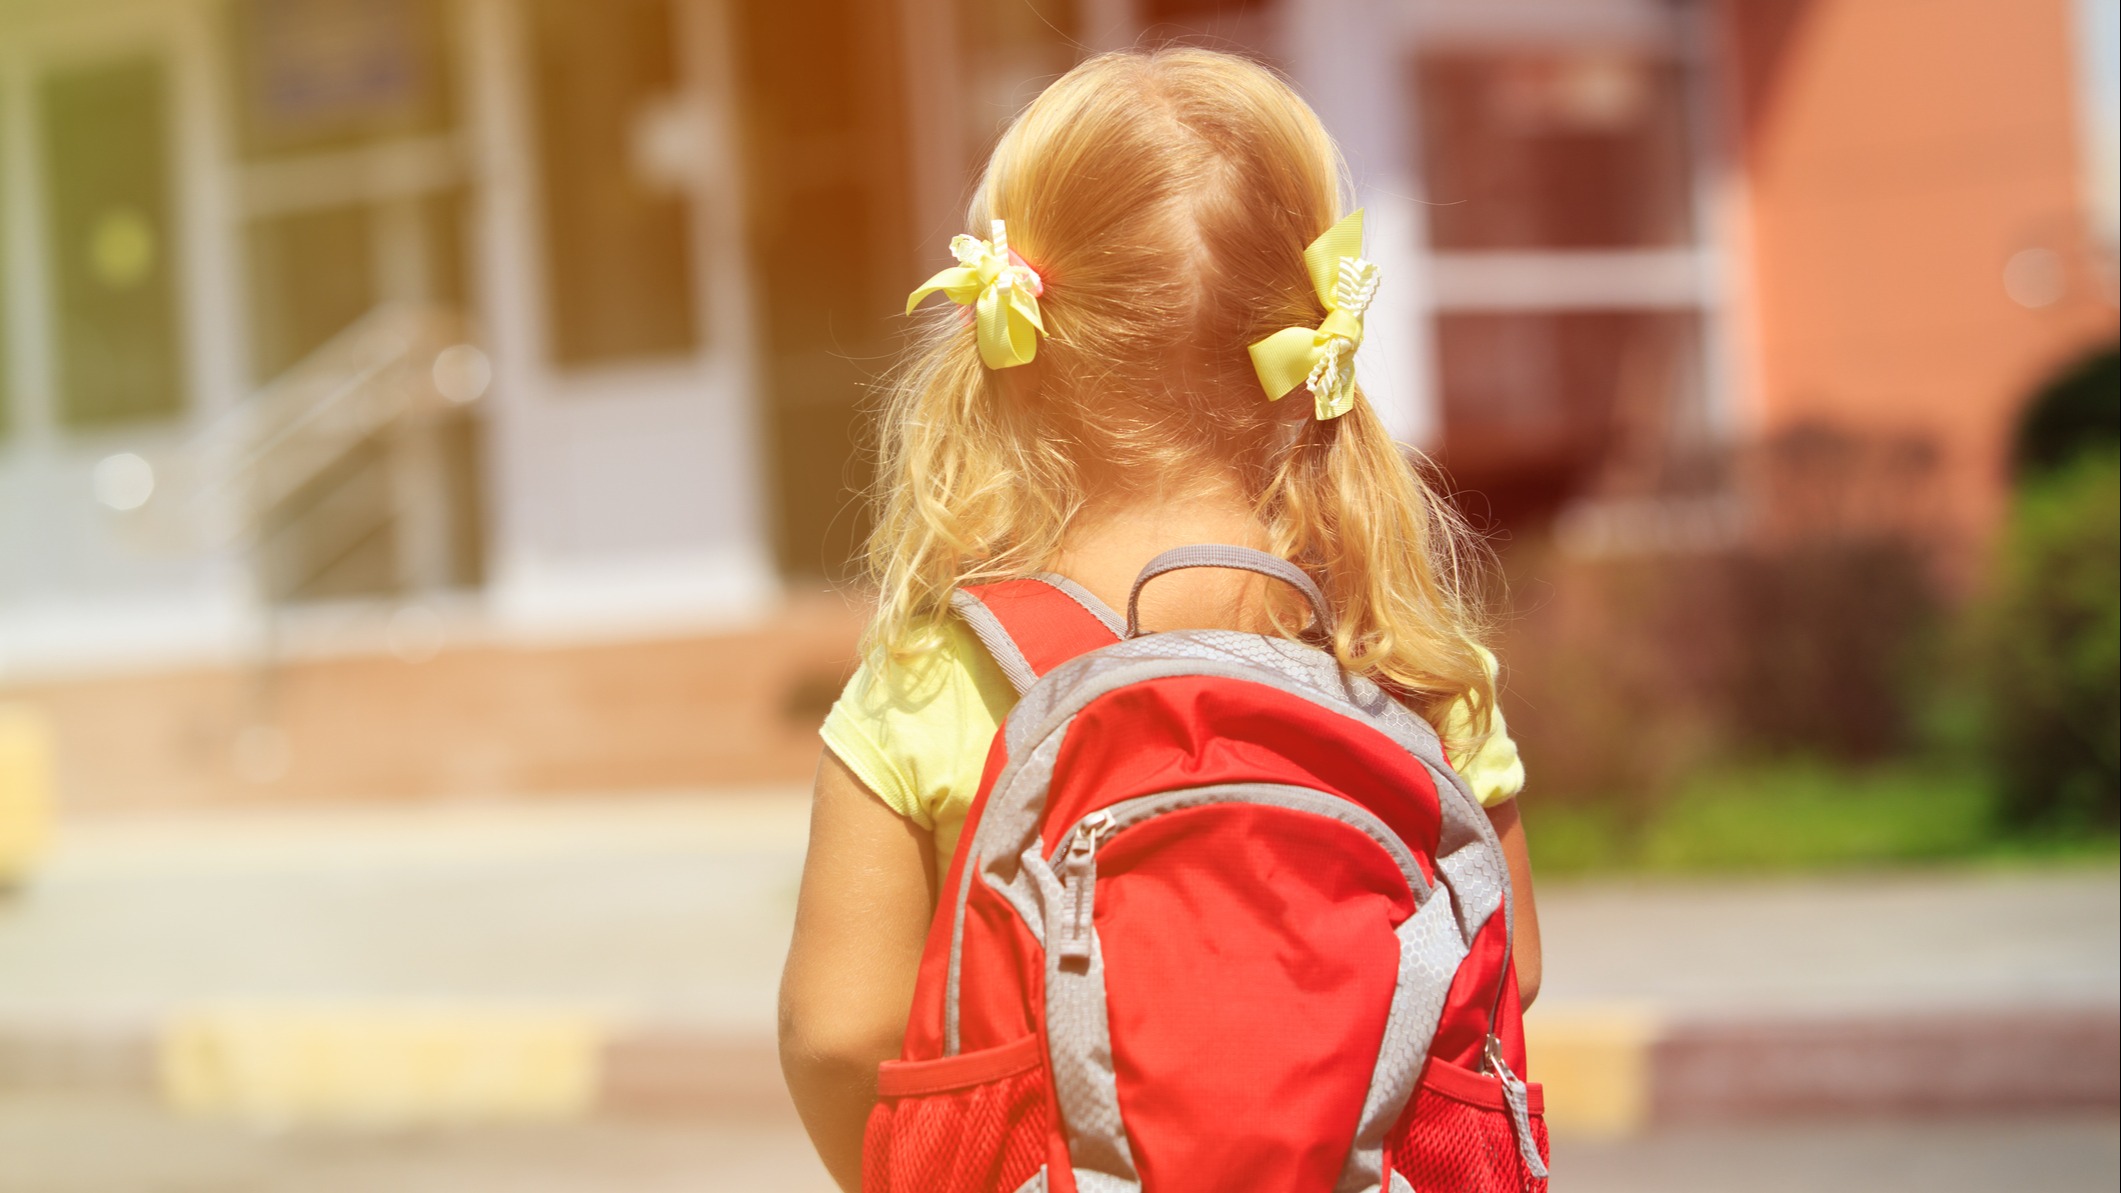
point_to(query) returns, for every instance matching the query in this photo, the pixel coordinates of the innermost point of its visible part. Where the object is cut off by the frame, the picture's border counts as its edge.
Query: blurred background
(430, 439)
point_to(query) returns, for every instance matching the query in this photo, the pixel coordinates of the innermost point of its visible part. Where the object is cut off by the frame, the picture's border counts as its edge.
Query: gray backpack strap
(1217, 555)
(1000, 646)
(1032, 624)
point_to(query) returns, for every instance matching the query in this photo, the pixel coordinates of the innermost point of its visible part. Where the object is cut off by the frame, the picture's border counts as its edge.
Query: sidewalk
(1733, 1001)
(652, 929)
(649, 929)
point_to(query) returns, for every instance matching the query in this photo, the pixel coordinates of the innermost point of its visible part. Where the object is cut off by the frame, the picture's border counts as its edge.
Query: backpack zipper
(1078, 880)
(1518, 1099)
(1076, 862)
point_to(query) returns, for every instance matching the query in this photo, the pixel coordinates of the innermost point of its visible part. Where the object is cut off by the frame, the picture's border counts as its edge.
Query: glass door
(352, 183)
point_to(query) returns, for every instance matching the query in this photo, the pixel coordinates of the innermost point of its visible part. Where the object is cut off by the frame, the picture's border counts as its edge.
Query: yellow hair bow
(1003, 291)
(1323, 358)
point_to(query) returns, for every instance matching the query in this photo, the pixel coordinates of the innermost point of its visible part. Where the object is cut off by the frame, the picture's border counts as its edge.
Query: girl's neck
(1107, 544)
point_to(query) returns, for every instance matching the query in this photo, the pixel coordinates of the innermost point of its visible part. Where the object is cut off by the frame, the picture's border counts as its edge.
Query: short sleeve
(917, 734)
(1492, 768)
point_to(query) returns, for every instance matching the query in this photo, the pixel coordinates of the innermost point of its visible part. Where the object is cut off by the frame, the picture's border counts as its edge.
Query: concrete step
(357, 708)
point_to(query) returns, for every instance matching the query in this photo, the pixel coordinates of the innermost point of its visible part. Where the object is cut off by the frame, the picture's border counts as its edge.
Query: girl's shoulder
(914, 730)
(1492, 768)
(1490, 763)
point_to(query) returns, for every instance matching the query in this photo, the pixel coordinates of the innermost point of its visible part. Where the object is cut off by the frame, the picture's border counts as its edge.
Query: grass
(1797, 817)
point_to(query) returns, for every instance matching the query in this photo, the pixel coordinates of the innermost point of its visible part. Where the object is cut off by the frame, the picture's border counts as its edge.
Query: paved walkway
(677, 910)
(664, 910)
(1916, 942)
(73, 1145)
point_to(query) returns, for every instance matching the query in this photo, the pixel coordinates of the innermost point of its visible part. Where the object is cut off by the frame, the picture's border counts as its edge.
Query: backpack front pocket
(970, 1123)
(1458, 1135)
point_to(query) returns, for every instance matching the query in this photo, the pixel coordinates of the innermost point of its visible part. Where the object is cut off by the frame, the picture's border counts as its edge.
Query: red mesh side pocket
(1458, 1136)
(972, 1123)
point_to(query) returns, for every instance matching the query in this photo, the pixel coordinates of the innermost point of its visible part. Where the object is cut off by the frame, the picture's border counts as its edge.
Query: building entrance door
(832, 237)
(351, 188)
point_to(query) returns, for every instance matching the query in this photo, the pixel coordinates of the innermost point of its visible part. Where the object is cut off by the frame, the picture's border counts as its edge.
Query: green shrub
(2051, 651)
(1795, 815)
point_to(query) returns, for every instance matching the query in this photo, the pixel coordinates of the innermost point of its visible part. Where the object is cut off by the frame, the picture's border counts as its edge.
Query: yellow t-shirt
(919, 737)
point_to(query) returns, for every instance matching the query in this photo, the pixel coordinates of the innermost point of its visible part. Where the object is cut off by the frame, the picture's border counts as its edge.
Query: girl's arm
(868, 891)
(1510, 827)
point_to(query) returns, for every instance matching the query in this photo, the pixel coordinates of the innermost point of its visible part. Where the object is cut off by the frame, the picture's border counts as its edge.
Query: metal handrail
(251, 477)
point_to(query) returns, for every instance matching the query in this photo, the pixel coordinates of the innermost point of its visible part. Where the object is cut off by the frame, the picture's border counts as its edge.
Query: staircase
(355, 474)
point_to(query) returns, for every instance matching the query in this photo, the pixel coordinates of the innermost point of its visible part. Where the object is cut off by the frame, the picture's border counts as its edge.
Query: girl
(1144, 301)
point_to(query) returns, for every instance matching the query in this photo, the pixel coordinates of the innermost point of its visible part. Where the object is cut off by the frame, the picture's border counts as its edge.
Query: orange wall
(1896, 153)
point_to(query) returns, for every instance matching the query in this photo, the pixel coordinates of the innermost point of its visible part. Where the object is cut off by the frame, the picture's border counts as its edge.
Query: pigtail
(966, 491)
(1400, 566)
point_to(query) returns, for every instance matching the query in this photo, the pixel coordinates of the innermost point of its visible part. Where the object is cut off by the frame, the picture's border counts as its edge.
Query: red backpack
(1222, 918)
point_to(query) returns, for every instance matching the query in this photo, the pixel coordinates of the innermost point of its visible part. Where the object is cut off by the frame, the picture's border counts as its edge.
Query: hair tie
(1003, 292)
(1323, 358)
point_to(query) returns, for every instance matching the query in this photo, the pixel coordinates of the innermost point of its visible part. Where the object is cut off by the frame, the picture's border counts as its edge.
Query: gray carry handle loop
(1244, 559)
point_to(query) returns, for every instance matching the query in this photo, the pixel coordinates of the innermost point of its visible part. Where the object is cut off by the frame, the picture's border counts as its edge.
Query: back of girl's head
(1165, 200)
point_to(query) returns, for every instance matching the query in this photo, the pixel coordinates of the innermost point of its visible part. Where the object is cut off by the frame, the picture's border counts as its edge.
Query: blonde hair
(1165, 198)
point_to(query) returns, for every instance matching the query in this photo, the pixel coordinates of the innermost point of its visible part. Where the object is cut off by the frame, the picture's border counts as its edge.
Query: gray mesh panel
(1018, 802)
(1006, 828)
(1021, 890)
(1037, 1183)
(1079, 1047)
(1430, 950)
(1479, 883)
(1469, 858)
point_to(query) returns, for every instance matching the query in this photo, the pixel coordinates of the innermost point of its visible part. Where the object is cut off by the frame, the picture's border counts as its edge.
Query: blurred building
(339, 334)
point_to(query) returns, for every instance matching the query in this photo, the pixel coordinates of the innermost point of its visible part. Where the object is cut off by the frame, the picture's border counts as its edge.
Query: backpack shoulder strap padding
(1035, 624)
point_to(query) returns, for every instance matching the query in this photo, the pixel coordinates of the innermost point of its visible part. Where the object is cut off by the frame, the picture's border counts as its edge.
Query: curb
(1902, 1065)
(385, 1065)
(1617, 1071)
(1607, 1071)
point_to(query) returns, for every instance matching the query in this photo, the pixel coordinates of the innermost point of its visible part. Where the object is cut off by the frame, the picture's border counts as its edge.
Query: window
(352, 186)
(313, 272)
(107, 192)
(7, 386)
(618, 249)
(322, 74)
(309, 279)
(826, 171)
(1554, 151)
(1566, 273)
(1541, 405)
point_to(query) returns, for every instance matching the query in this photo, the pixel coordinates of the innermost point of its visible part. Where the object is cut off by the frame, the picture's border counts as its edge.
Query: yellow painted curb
(1595, 1065)
(365, 1065)
(25, 789)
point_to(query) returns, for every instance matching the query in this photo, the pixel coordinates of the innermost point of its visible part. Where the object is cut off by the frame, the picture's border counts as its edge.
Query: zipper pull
(1514, 1093)
(1078, 886)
